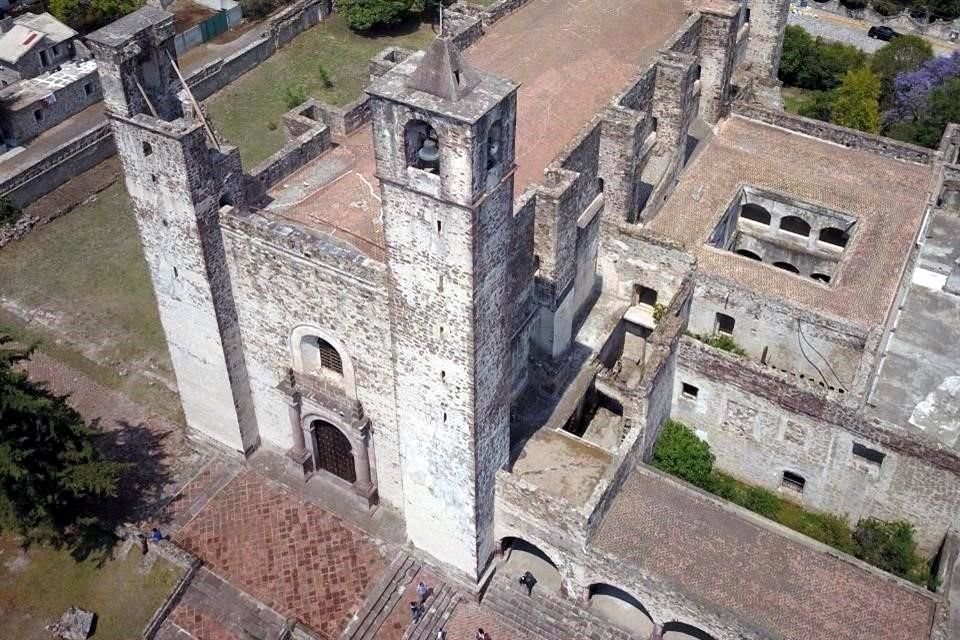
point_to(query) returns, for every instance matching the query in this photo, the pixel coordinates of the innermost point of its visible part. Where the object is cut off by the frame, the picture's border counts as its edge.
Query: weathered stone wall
(284, 279)
(768, 19)
(718, 42)
(346, 119)
(760, 425)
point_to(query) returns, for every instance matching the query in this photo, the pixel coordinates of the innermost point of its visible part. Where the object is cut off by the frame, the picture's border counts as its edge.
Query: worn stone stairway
(546, 616)
(382, 599)
(440, 606)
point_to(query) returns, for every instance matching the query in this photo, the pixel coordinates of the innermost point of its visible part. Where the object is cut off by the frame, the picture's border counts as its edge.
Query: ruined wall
(768, 19)
(759, 426)
(284, 278)
(630, 257)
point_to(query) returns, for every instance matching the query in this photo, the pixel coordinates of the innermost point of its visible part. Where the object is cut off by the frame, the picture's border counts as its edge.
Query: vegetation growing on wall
(887, 545)
(720, 341)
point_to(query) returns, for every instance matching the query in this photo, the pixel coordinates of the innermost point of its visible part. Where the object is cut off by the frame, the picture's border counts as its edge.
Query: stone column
(298, 453)
(718, 47)
(364, 484)
(768, 19)
(673, 91)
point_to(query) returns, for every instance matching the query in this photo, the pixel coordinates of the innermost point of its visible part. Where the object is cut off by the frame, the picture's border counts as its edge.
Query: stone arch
(746, 253)
(682, 631)
(419, 139)
(821, 277)
(621, 608)
(334, 452)
(786, 266)
(226, 200)
(521, 555)
(795, 225)
(834, 236)
(347, 377)
(755, 213)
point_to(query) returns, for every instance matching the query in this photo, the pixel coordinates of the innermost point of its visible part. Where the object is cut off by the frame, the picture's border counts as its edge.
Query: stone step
(382, 599)
(547, 616)
(439, 609)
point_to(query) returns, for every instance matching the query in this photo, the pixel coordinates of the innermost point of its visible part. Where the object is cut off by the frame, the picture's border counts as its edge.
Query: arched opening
(521, 556)
(147, 149)
(683, 631)
(226, 200)
(822, 277)
(795, 225)
(422, 147)
(746, 253)
(334, 453)
(786, 266)
(494, 144)
(755, 213)
(620, 608)
(834, 236)
(319, 356)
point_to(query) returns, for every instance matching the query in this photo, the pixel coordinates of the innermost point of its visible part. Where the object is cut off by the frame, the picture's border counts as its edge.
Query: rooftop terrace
(570, 58)
(886, 196)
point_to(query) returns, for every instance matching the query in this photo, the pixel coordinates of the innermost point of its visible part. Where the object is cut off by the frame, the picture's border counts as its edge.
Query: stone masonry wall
(21, 123)
(759, 426)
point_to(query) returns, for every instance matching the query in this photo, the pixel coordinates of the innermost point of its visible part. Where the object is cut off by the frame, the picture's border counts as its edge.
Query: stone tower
(178, 180)
(444, 141)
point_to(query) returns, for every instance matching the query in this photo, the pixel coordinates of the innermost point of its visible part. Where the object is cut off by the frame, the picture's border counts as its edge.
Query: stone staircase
(546, 616)
(440, 606)
(382, 599)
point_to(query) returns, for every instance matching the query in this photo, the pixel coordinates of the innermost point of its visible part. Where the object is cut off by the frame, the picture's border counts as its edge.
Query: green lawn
(249, 111)
(37, 587)
(80, 285)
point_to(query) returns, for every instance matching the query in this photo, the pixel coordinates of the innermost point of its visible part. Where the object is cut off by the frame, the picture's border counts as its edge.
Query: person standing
(422, 592)
(528, 581)
(415, 612)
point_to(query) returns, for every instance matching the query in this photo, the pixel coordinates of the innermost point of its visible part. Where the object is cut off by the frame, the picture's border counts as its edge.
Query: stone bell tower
(178, 179)
(444, 141)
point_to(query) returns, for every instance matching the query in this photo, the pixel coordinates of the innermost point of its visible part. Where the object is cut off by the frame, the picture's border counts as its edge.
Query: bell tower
(444, 143)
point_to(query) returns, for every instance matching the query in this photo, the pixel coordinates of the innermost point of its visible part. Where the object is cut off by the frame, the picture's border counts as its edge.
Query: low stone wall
(344, 120)
(70, 159)
(902, 22)
(387, 59)
(850, 138)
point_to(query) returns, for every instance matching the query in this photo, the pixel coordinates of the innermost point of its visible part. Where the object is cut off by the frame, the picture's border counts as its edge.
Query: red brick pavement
(199, 624)
(292, 555)
(469, 616)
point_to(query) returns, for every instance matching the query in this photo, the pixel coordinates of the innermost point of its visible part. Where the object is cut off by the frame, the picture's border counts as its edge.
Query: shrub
(890, 546)
(886, 7)
(818, 105)
(8, 212)
(271, 126)
(681, 453)
(815, 64)
(855, 5)
(659, 309)
(762, 501)
(726, 487)
(324, 77)
(856, 102)
(363, 15)
(294, 95)
(720, 341)
(256, 9)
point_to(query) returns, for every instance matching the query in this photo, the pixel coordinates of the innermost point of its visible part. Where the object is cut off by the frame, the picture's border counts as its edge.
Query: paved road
(831, 26)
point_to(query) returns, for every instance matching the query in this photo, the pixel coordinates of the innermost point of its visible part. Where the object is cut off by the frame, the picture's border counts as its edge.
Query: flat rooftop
(771, 579)
(570, 58)
(561, 465)
(887, 196)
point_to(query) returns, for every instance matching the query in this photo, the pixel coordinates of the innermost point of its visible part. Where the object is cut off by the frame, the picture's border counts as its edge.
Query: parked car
(882, 33)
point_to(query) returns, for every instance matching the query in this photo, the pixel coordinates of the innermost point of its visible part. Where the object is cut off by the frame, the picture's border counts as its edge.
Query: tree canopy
(905, 53)
(363, 15)
(811, 63)
(856, 103)
(52, 476)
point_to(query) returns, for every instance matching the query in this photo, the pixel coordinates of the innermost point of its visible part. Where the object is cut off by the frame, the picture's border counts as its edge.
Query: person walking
(528, 581)
(415, 612)
(423, 591)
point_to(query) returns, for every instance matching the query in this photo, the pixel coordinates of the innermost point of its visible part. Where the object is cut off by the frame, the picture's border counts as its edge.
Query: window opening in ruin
(645, 295)
(176, 274)
(747, 15)
(795, 225)
(494, 144)
(600, 185)
(870, 455)
(755, 213)
(699, 71)
(87, 89)
(43, 58)
(226, 200)
(724, 324)
(147, 149)
(154, 179)
(786, 266)
(822, 277)
(793, 481)
(319, 355)
(38, 115)
(439, 226)
(444, 417)
(834, 236)
(443, 376)
(746, 253)
(422, 147)
(688, 391)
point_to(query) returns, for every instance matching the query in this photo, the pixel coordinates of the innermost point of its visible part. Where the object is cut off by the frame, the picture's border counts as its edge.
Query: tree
(856, 103)
(8, 212)
(681, 453)
(52, 477)
(815, 64)
(363, 15)
(818, 105)
(911, 89)
(943, 106)
(906, 53)
(890, 546)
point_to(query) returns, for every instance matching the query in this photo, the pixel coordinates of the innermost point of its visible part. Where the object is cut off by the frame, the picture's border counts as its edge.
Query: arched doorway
(521, 556)
(334, 453)
(620, 608)
(682, 631)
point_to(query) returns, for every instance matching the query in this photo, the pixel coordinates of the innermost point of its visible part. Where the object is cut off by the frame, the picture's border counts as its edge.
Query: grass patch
(81, 287)
(794, 98)
(35, 590)
(328, 62)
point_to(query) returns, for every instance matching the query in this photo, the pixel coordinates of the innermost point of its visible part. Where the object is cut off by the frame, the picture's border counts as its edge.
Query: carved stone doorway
(334, 453)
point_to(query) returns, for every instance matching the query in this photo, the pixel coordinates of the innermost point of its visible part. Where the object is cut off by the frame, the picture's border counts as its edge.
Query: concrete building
(31, 44)
(478, 310)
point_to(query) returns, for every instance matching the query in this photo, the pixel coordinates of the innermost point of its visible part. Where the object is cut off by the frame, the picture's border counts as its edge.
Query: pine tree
(856, 103)
(52, 477)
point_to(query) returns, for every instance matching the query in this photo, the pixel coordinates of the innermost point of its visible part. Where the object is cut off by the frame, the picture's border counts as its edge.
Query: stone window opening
(786, 266)
(746, 253)
(688, 391)
(724, 324)
(422, 147)
(821, 277)
(795, 225)
(44, 60)
(834, 236)
(226, 200)
(645, 295)
(755, 213)
(793, 481)
(176, 274)
(439, 226)
(87, 89)
(444, 417)
(38, 115)
(494, 144)
(319, 356)
(870, 455)
(147, 149)
(443, 376)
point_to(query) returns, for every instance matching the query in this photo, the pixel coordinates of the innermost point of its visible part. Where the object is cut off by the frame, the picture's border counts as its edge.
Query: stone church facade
(415, 328)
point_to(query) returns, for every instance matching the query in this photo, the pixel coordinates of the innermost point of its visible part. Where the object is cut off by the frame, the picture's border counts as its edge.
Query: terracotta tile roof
(771, 580)
(887, 197)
